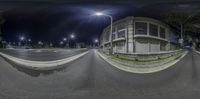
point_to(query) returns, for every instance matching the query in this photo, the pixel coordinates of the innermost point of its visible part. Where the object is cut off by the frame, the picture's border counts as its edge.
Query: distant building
(139, 35)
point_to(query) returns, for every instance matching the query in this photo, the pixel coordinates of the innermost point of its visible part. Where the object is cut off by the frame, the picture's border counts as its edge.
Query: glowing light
(96, 40)
(22, 38)
(72, 36)
(29, 40)
(98, 14)
(61, 42)
(64, 39)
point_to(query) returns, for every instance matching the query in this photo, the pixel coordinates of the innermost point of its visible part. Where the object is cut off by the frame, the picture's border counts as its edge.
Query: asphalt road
(90, 77)
(42, 54)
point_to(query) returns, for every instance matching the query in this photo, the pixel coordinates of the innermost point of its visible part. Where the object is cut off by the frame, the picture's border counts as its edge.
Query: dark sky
(52, 22)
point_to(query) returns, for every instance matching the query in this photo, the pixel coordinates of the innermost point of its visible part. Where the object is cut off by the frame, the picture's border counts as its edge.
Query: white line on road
(197, 51)
(42, 65)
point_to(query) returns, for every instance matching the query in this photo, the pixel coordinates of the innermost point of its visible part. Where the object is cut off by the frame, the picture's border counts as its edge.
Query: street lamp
(99, 13)
(64, 39)
(96, 40)
(22, 38)
(61, 42)
(40, 42)
(72, 36)
(29, 40)
(111, 22)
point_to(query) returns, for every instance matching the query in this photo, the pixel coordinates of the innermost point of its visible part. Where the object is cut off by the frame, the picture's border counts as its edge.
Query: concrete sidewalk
(140, 69)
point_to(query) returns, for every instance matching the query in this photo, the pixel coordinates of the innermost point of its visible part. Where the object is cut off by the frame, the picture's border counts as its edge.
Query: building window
(153, 30)
(120, 27)
(162, 46)
(141, 28)
(162, 32)
(113, 36)
(120, 45)
(121, 34)
(114, 29)
(107, 35)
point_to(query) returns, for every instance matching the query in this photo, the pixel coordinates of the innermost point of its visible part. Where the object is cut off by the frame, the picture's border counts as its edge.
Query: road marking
(38, 51)
(42, 65)
(56, 51)
(197, 51)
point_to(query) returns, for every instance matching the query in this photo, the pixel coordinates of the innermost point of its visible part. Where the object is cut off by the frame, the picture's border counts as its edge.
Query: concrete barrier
(143, 70)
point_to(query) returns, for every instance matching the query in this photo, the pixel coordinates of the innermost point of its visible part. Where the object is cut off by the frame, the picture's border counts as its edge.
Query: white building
(138, 35)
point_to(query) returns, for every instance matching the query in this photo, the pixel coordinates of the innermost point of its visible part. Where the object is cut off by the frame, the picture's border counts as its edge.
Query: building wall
(141, 46)
(137, 35)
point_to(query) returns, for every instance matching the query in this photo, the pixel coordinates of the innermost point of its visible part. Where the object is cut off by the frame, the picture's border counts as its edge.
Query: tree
(2, 20)
(183, 21)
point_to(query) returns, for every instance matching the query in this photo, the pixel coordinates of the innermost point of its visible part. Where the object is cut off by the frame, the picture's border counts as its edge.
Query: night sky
(50, 23)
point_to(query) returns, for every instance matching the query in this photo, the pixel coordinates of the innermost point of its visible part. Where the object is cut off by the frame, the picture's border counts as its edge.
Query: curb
(42, 65)
(197, 51)
(141, 70)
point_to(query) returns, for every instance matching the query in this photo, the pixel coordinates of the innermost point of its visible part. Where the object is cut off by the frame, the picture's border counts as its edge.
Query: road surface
(90, 77)
(42, 54)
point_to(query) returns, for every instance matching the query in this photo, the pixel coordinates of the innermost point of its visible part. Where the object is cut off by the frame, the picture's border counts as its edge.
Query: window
(114, 29)
(107, 35)
(153, 30)
(162, 32)
(162, 46)
(120, 45)
(120, 27)
(121, 34)
(113, 36)
(141, 28)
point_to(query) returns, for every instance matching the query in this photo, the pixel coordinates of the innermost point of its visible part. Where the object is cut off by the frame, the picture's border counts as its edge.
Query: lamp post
(111, 23)
(96, 41)
(22, 38)
(72, 36)
(29, 42)
(65, 41)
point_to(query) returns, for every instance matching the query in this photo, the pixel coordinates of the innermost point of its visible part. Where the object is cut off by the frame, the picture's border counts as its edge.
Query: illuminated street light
(40, 43)
(22, 38)
(61, 43)
(51, 45)
(72, 36)
(64, 39)
(96, 40)
(29, 40)
(111, 22)
(99, 14)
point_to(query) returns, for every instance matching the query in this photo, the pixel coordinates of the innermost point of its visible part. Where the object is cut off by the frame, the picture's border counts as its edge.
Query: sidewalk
(141, 68)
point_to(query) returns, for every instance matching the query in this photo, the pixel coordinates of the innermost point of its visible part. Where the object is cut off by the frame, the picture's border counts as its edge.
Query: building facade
(138, 35)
